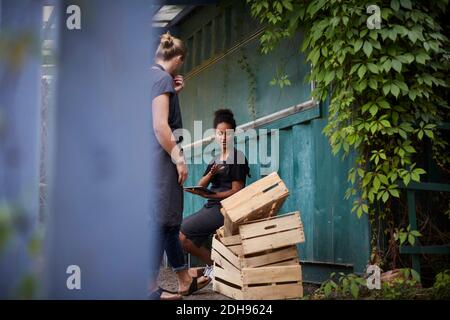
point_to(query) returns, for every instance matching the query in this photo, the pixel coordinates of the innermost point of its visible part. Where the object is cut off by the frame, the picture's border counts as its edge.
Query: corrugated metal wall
(225, 69)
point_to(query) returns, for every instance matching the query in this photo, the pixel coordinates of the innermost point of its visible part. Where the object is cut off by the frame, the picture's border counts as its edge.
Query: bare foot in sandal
(195, 285)
(162, 294)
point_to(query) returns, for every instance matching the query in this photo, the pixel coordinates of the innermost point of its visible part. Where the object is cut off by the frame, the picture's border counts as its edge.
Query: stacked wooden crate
(261, 199)
(255, 253)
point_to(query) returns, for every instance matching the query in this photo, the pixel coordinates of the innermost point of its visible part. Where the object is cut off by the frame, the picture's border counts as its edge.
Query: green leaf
(327, 289)
(402, 237)
(367, 48)
(362, 71)
(288, 5)
(329, 77)
(373, 68)
(354, 289)
(376, 184)
(416, 233)
(395, 5)
(373, 109)
(357, 46)
(415, 177)
(383, 179)
(373, 83)
(387, 65)
(385, 196)
(422, 57)
(385, 123)
(395, 90)
(394, 192)
(415, 275)
(411, 239)
(406, 179)
(406, 4)
(397, 65)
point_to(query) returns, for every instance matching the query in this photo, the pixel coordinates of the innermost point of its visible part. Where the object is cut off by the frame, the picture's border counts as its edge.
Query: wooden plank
(220, 233)
(271, 274)
(232, 240)
(274, 241)
(277, 207)
(285, 263)
(250, 191)
(221, 261)
(239, 213)
(268, 210)
(266, 227)
(270, 258)
(237, 250)
(227, 290)
(230, 228)
(225, 252)
(277, 292)
(228, 275)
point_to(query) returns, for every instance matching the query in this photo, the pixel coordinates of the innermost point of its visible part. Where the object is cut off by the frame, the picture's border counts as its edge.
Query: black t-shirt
(235, 168)
(162, 82)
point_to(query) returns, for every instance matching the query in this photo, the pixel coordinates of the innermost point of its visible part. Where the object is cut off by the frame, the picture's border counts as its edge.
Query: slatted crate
(270, 270)
(261, 199)
(264, 283)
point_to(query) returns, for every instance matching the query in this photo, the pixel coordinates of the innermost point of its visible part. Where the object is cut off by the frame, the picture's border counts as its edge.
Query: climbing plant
(386, 85)
(244, 64)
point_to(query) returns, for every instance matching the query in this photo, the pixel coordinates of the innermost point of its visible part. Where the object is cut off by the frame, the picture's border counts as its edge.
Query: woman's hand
(178, 82)
(215, 168)
(182, 172)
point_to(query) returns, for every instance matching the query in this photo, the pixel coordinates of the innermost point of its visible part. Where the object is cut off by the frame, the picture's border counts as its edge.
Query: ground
(168, 280)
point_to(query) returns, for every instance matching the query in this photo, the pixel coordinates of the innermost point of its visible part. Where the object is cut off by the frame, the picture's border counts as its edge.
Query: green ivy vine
(244, 64)
(387, 86)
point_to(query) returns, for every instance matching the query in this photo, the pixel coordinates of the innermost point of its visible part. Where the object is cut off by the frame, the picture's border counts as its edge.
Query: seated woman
(227, 174)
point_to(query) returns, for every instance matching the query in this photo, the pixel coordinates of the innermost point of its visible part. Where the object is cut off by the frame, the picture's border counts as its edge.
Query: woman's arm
(206, 179)
(160, 113)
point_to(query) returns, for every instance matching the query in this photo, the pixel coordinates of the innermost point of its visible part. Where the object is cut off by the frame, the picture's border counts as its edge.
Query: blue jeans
(167, 239)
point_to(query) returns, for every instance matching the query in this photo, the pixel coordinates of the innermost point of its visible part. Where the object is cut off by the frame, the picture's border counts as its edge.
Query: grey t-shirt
(162, 82)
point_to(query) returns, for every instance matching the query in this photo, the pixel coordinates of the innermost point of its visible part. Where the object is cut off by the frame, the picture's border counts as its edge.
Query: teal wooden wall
(215, 77)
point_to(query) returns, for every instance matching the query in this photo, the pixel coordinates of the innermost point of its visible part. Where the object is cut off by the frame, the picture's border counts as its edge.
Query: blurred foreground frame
(98, 177)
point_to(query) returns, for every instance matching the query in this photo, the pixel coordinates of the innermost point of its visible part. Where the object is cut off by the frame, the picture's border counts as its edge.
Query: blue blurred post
(20, 67)
(99, 182)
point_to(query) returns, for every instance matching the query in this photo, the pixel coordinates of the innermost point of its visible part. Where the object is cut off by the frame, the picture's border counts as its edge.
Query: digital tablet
(198, 188)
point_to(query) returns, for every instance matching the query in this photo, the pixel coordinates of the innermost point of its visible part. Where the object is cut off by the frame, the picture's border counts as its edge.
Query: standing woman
(169, 170)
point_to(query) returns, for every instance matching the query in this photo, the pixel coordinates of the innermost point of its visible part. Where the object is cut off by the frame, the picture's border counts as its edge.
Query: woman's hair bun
(166, 40)
(224, 115)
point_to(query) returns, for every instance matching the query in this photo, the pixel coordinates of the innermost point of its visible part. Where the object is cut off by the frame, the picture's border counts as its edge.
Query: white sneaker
(209, 272)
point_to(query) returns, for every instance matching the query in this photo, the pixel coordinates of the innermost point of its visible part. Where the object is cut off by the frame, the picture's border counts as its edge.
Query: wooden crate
(261, 236)
(261, 262)
(271, 233)
(261, 199)
(263, 283)
(231, 256)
